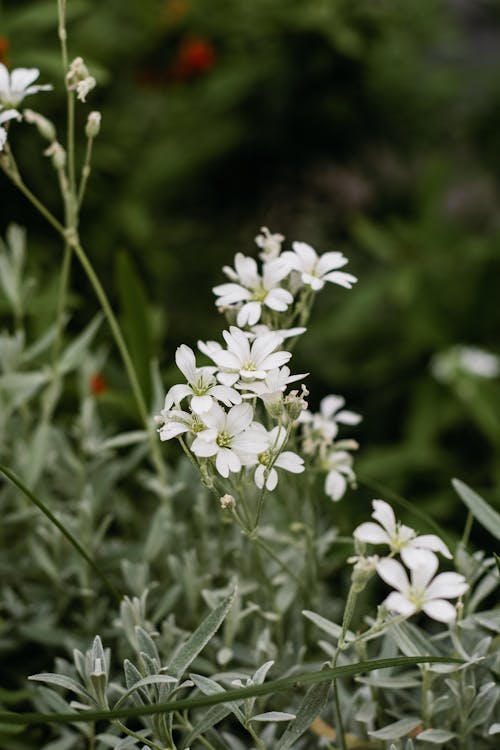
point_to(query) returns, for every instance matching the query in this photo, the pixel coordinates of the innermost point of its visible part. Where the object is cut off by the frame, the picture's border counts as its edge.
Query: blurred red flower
(4, 48)
(97, 384)
(195, 56)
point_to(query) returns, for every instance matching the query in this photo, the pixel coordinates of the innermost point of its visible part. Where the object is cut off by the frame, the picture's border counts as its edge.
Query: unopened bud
(274, 404)
(295, 403)
(93, 125)
(227, 502)
(44, 126)
(363, 570)
(57, 155)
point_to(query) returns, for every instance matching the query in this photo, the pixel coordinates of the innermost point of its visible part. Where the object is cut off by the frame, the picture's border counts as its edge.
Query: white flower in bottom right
(422, 592)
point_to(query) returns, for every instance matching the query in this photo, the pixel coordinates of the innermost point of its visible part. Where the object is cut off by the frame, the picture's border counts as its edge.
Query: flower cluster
(236, 413)
(421, 591)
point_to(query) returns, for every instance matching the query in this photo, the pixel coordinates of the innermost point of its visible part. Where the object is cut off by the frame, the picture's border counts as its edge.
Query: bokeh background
(369, 126)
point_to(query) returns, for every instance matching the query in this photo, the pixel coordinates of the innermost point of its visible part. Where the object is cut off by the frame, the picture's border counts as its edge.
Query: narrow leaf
(155, 679)
(212, 717)
(312, 705)
(480, 509)
(61, 680)
(436, 736)
(273, 716)
(397, 730)
(201, 636)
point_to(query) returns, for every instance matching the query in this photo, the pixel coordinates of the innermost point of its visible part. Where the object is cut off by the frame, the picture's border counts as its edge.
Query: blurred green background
(369, 126)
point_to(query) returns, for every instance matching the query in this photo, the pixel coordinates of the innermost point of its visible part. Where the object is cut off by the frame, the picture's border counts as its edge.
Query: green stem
(64, 531)
(468, 527)
(203, 701)
(254, 736)
(85, 172)
(140, 737)
(346, 621)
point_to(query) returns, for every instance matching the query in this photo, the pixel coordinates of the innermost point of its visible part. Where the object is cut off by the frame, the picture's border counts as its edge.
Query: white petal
(440, 610)
(384, 514)
(247, 270)
(228, 378)
(175, 395)
(432, 542)
(447, 585)
(396, 602)
(21, 78)
(275, 271)
(423, 566)
(393, 573)
(330, 261)
(201, 404)
(264, 345)
(259, 476)
(272, 480)
(227, 395)
(249, 314)
(275, 360)
(307, 255)
(238, 418)
(215, 418)
(330, 404)
(290, 462)
(4, 81)
(227, 461)
(172, 429)
(186, 362)
(204, 448)
(278, 299)
(230, 294)
(313, 281)
(371, 533)
(348, 417)
(342, 279)
(335, 485)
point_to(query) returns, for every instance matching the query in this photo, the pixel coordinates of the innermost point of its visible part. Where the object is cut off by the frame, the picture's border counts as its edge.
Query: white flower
(176, 422)
(322, 427)
(16, 85)
(286, 460)
(5, 116)
(421, 592)
(230, 438)
(316, 269)
(339, 466)
(201, 385)
(397, 536)
(251, 361)
(270, 244)
(254, 290)
(469, 360)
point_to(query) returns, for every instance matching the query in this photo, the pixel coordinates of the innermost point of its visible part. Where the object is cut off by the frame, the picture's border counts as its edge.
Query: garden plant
(205, 597)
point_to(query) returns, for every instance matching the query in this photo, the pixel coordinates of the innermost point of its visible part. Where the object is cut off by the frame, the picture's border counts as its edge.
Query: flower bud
(296, 403)
(57, 155)
(227, 502)
(93, 125)
(363, 570)
(44, 126)
(78, 79)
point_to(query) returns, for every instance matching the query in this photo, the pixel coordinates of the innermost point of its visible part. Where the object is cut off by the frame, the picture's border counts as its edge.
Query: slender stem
(137, 736)
(346, 621)
(425, 698)
(16, 179)
(64, 531)
(275, 557)
(254, 736)
(127, 360)
(85, 172)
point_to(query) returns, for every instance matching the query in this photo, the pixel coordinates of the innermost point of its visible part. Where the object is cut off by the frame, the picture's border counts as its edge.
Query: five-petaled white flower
(420, 592)
(245, 359)
(266, 473)
(322, 427)
(316, 269)
(16, 85)
(397, 536)
(251, 290)
(5, 116)
(230, 438)
(201, 385)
